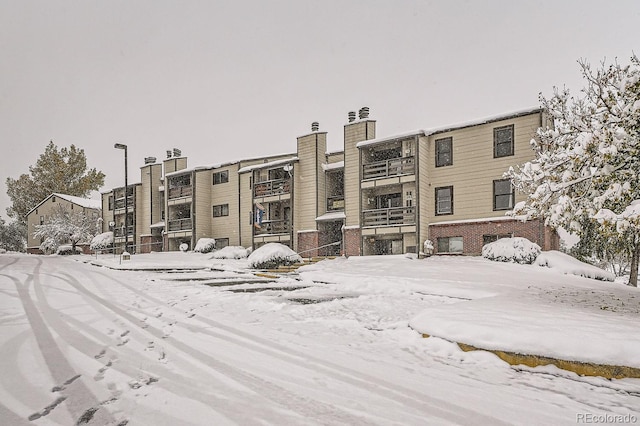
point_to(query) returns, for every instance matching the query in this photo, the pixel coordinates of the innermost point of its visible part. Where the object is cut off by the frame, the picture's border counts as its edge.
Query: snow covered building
(47, 207)
(378, 195)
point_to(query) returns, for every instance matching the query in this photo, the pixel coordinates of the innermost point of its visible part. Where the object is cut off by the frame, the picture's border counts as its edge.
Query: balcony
(272, 227)
(389, 217)
(272, 187)
(120, 231)
(180, 224)
(119, 203)
(335, 203)
(180, 191)
(386, 168)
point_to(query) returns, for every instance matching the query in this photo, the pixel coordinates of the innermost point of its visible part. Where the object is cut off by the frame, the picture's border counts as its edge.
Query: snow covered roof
(267, 165)
(333, 166)
(157, 225)
(200, 168)
(87, 203)
(477, 122)
(331, 216)
(390, 138)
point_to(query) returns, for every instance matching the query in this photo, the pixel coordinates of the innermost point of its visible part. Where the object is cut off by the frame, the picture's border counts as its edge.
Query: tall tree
(12, 236)
(65, 226)
(588, 164)
(56, 170)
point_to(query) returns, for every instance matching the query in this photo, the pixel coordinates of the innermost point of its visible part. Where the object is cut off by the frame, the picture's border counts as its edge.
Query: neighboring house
(376, 196)
(40, 213)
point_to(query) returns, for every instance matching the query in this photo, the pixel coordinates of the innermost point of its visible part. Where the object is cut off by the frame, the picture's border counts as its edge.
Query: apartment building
(378, 195)
(50, 206)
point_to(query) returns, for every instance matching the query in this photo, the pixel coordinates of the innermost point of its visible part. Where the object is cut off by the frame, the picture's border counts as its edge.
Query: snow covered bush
(516, 250)
(272, 255)
(102, 241)
(205, 245)
(68, 249)
(571, 266)
(231, 252)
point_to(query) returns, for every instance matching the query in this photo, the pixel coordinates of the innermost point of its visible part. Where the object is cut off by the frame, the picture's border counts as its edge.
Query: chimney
(352, 116)
(149, 160)
(315, 126)
(364, 113)
(168, 153)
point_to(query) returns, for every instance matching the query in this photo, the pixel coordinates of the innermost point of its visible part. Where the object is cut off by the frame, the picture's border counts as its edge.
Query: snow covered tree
(12, 236)
(56, 170)
(65, 226)
(587, 164)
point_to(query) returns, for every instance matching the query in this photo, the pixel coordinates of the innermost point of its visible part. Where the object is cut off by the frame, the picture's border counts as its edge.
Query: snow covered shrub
(205, 245)
(66, 249)
(102, 241)
(231, 252)
(516, 250)
(272, 255)
(568, 265)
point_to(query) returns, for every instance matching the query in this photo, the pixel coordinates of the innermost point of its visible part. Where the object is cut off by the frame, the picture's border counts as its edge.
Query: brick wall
(352, 238)
(308, 242)
(472, 233)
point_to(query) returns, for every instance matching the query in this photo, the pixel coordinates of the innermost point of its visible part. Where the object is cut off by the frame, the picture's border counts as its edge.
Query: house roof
(87, 203)
(267, 165)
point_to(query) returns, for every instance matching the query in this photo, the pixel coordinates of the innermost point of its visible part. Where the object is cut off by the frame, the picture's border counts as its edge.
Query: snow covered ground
(183, 338)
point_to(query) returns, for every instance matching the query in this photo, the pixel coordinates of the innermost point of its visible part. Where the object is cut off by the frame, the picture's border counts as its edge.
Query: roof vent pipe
(364, 113)
(149, 160)
(168, 153)
(315, 126)
(177, 152)
(352, 116)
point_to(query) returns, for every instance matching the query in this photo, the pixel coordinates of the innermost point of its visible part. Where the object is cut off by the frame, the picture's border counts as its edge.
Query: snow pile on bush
(102, 241)
(66, 249)
(230, 252)
(205, 245)
(516, 250)
(272, 255)
(568, 265)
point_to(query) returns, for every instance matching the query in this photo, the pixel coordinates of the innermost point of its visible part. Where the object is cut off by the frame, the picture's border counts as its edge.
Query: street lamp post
(126, 197)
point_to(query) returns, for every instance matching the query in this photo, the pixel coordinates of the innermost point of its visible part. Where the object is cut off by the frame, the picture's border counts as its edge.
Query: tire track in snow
(79, 398)
(308, 408)
(409, 397)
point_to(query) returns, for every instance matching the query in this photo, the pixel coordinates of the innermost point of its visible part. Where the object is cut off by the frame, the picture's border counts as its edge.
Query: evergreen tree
(588, 163)
(56, 170)
(12, 236)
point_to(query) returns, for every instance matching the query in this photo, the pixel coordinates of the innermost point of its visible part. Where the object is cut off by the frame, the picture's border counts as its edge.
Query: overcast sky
(226, 80)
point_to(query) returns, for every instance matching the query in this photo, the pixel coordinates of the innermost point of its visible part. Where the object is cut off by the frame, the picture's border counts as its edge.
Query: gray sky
(226, 80)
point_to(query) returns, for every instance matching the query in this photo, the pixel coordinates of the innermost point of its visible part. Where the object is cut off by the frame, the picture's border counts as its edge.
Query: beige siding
(354, 133)
(309, 185)
(474, 169)
(201, 211)
(226, 193)
(246, 210)
(424, 190)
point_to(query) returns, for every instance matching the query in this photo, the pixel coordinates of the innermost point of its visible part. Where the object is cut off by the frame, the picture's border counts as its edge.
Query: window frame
(437, 212)
(497, 143)
(448, 141)
(448, 239)
(223, 210)
(511, 194)
(220, 177)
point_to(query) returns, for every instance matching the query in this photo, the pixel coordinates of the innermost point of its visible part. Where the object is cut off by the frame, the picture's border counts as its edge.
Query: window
(221, 242)
(503, 141)
(444, 152)
(221, 210)
(503, 194)
(221, 177)
(444, 200)
(486, 239)
(450, 245)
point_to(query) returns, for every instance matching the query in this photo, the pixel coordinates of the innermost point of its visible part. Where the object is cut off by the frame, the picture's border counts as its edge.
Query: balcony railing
(393, 167)
(272, 187)
(180, 224)
(180, 191)
(272, 227)
(335, 203)
(119, 203)
(120, 231)
(391, 216)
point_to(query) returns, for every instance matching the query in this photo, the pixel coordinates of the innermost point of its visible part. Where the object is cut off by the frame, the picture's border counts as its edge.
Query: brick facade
(352, 239)
(473, 232)
(308, 243)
